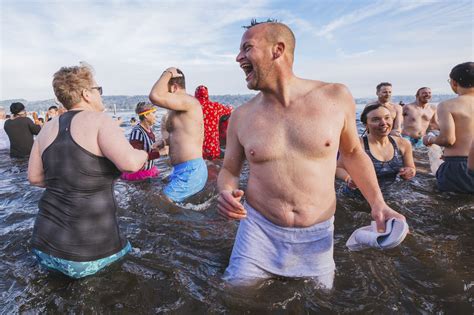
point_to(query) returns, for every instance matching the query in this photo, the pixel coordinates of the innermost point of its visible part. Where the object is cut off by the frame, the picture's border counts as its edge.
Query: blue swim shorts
(453, 175)
(78, 269)
(186, 179)
(416, 143)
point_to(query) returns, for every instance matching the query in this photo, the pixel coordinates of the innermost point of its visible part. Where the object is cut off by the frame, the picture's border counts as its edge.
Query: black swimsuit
(386, 169)
(77, 212)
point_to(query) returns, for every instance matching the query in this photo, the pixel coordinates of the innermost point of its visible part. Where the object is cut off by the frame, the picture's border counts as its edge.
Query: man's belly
(299, 209)
(182, 151)
(415, 131)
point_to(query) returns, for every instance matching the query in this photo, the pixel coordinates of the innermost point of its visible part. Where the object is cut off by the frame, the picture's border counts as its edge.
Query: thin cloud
(345, 55)
(130, 42)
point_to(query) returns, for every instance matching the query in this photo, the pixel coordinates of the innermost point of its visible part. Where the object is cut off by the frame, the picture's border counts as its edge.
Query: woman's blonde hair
(69, 82)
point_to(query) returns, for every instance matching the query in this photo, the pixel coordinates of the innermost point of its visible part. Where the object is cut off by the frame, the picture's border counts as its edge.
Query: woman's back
(77, 217)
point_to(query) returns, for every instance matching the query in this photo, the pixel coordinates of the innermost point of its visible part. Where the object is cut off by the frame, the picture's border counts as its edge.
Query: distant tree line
(128, 103)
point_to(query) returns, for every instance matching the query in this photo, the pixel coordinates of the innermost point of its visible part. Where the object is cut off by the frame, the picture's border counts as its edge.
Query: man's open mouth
(248, 69)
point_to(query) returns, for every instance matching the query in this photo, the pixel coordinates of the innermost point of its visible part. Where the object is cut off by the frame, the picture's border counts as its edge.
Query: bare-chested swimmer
(290, 133)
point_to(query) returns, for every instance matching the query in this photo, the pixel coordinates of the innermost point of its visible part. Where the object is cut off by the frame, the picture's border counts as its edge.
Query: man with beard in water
(290, 133)
(418, 116)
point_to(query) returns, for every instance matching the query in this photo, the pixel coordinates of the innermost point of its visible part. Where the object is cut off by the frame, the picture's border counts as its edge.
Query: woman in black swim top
(77, 157)
(391, 156)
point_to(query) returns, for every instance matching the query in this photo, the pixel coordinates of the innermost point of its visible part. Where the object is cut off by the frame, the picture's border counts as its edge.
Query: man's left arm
(359, 165)
(434, 120)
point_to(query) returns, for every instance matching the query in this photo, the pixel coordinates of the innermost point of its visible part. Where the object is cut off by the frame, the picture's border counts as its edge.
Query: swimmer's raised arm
(114, 146)
(229, 204)
(35, 167)
(163, 93)
(358, 164)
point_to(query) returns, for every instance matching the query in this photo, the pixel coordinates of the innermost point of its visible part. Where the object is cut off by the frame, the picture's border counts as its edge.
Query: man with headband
(186, 134)
(456, 130)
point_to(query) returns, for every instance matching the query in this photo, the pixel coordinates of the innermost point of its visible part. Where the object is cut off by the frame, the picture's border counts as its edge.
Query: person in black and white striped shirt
(143, 138)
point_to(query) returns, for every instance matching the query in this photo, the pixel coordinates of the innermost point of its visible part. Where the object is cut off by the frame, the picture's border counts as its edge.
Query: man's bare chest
(269, 138)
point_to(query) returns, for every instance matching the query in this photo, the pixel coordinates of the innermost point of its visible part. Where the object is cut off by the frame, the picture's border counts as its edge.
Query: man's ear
(173, 88)
(278, 50)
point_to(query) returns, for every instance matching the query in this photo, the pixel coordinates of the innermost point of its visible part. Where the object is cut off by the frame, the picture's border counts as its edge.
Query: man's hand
(174, 72)
(382, 213)
(158, 145)
(229, 206)
(428, 139)
(407, 172)
(350, 183)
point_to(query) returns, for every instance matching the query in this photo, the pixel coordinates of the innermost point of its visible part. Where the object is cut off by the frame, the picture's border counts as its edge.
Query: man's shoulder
(328, 90)
(396, 106)
(457, 104)
(327, 87)
(448, 104)
(408, 106)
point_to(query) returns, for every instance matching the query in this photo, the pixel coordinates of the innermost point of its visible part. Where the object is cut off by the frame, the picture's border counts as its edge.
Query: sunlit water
(181, 251)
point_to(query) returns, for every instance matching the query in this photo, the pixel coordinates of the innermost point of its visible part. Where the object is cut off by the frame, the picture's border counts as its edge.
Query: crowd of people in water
(297, 136)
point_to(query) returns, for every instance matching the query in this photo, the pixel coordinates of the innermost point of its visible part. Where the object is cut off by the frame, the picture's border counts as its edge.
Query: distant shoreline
(127, 103)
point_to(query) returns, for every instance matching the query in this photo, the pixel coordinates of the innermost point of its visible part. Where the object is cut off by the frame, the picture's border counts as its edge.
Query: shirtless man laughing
(418, 116)
(290, 134)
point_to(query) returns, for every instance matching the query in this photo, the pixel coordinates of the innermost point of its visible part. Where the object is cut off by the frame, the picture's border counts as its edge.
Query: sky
(129, 43)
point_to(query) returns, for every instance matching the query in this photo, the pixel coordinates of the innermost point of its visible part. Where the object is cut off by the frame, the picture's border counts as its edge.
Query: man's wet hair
(422, 88)
(254, 22)
(53, 107)
(276, 32)
(180, 81)
(382, 84)
(463, 74)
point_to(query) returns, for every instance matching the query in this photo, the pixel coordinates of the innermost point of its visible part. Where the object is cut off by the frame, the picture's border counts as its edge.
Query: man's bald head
(277, 32)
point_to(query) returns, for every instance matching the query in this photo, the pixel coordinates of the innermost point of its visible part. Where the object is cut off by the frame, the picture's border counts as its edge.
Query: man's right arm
(447, 134)
(229, 204)
(162, 97)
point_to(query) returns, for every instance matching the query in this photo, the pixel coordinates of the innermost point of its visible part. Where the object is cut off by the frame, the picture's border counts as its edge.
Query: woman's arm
(408, 171)
(35, 167)
(116, 148)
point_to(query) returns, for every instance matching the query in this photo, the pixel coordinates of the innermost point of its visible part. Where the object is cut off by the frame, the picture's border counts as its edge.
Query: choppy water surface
(181, 251)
